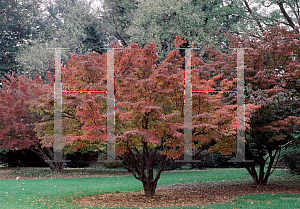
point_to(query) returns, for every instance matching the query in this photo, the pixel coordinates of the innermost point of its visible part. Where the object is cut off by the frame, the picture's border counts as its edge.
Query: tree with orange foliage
(23, 112)
(16, 122)
(271, 82)
(149, 107)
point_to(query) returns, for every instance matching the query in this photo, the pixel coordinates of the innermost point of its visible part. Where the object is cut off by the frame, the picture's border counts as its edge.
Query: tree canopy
(272, 82)
(68, 24)
(15, 30)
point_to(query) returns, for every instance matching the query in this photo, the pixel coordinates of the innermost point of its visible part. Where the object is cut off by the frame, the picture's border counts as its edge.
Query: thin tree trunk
(254, 16)
(268, 173)
(272, 159)
(47, 155)
(251, 170)
(261, 168)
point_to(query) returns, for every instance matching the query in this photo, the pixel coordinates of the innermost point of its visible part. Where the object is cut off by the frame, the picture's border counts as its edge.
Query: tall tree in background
(266, 13)
(14, 32)
(68, 24)
(93, 39)
(200, 22)
(117, 17)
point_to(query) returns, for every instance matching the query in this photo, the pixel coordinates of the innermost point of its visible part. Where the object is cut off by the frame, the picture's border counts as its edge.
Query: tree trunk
(56, 166)
(149, 188)
(261, 171)
(263, 177)
(47, 155)
(251, 170)
(272, 159)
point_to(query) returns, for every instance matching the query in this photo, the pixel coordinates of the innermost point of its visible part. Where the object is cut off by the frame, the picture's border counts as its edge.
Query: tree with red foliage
(83, 123)
(272, 82)
(18, 120)
(150, 107)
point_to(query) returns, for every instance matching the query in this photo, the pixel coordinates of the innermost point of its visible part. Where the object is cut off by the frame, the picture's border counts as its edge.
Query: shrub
(21, 158)
(109, 164)
(207, 160)
(291, 159)
(215, 160)
(81, 160)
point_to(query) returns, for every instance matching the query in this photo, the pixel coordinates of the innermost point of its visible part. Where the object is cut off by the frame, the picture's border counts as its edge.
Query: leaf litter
(189, 194)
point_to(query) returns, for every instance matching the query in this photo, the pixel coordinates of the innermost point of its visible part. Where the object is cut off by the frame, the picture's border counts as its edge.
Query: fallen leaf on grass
(186, 194)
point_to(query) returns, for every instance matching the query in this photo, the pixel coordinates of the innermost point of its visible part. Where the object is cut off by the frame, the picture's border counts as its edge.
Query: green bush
(207, 160)
(81, 159)
(291, 159)
(109, 164)
(214, 160)
(21, 158)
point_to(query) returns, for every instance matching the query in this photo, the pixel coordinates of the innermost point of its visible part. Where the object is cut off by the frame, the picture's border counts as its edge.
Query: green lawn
(58, 193)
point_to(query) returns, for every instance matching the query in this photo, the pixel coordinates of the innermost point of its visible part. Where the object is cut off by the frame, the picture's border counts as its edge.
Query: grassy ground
(271, 201)
(58, 193)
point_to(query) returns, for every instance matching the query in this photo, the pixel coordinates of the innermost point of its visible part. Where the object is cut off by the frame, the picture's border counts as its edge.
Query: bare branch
(255, 17)
(286, 16)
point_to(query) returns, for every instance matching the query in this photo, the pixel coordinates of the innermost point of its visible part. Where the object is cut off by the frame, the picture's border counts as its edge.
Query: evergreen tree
(93, 39)
(117, 17)
(267, 12)
(63, 24)
(200, 22)
(14, 32)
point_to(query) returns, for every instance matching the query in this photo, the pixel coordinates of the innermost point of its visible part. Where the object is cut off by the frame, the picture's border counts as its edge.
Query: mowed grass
(58, 193)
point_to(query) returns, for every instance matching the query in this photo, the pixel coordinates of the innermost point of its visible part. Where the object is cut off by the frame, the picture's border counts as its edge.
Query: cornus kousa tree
(16, 122)
(83, 121)
(85, 113)
(149, 108)
(20, 120)
(271, 82)
(27, 118)
(42, 104)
